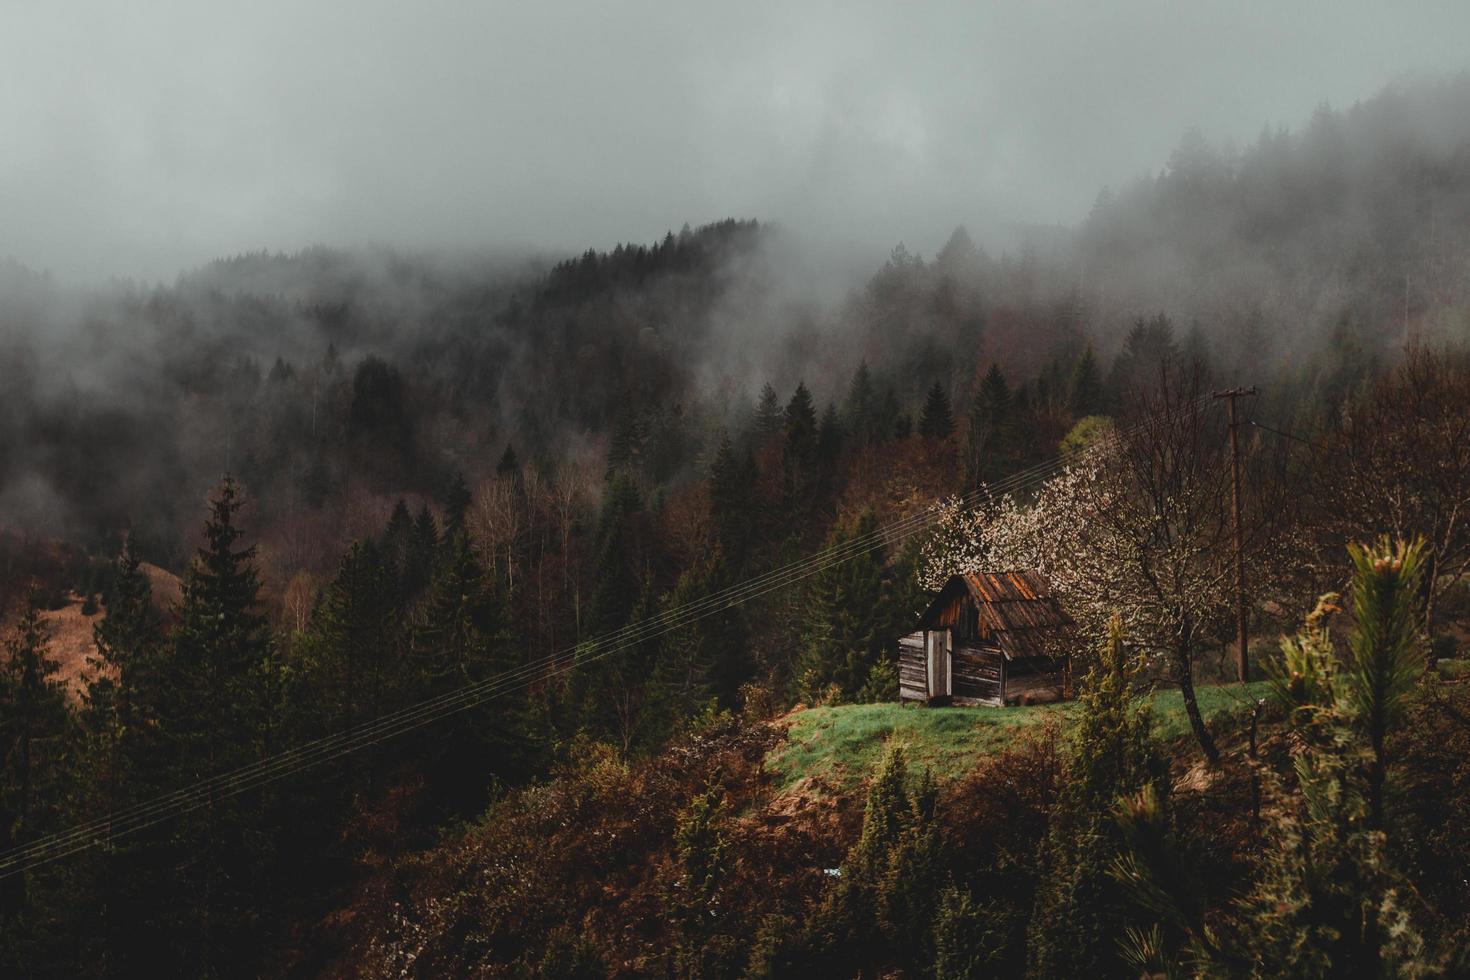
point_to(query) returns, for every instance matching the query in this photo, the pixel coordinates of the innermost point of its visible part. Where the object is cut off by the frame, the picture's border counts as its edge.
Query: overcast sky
(139, 139)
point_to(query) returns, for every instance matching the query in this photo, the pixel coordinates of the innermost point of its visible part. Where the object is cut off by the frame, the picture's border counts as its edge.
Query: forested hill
(461, 472)
(323, 374)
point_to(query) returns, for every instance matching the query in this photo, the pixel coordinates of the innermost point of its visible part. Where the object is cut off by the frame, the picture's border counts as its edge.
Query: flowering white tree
(956, 544)
(1059, 535)
(1140, 527)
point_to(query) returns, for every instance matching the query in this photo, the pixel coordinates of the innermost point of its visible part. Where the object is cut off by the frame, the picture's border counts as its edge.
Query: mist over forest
(746, 600)
(1302, 258)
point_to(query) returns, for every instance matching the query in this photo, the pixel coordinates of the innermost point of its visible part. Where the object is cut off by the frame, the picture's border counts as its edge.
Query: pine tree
(936, 421)
(799, 457)
(704, 660)
(733, 502)
(510, 464)
(829, 437)
(1328, 899)
(616, 587)
(33, 719)
(349, 651)
(457, 500)
(421, 554)
(1079, 910)
(861, 408)
(624, 448)
(703, 848)
(993, 450)
(214, 717)
(460, 636)
(118, 764)
(769, 420)
(801, 425)
(1085, 393)
(849, 623)
(1148, 351)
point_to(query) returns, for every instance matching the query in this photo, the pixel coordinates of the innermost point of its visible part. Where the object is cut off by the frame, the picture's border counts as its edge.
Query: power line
(1289, 435)
(320, 751)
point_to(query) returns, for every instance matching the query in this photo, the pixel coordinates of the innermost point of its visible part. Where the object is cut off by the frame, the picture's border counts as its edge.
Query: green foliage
(768, 419)
(571, 956)
(994, 443)
(733, 502)
(1387, 650)
(457, 499)
(215, 714)
(1085, 391)
(862, 410)
(1079, 912)
(1328, 899)
(617, 578)
(851, 620)
(882, 682)
(706, 658)
(967, 935)
(1088, 432)
(703, 853)
(349, 653)
(892, 879)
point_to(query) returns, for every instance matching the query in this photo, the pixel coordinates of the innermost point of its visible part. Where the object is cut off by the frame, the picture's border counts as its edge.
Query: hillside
(836, 749)
(595, 851)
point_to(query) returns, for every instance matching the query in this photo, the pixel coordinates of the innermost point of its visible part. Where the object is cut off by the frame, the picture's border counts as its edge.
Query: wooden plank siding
(979, 675)
(913, 681)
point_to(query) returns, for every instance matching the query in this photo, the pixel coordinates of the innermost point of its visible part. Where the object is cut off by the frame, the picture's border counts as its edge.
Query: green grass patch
(842, 745)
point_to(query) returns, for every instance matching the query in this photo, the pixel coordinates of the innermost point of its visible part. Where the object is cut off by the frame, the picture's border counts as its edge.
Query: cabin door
(938, 663)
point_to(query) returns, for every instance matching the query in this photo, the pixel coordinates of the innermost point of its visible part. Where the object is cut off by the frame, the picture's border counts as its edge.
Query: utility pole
(1242, 663)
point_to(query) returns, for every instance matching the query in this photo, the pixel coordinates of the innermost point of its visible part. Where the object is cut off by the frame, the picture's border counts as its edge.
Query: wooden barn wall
(977, 674)
(913, 682)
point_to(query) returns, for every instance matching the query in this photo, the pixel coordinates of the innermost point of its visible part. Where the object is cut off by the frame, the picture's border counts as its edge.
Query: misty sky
(138, 139)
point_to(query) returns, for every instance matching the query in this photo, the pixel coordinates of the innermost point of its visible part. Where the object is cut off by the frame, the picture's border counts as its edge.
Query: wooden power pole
(1242, 661)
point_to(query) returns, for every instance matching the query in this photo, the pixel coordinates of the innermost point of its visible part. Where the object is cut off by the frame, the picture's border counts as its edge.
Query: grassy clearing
(841, 745)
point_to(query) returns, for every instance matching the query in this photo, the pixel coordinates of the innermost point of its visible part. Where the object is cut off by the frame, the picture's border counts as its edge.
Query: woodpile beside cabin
(992, 638)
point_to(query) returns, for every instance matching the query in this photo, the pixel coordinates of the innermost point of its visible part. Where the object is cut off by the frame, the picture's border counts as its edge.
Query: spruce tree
(510, 464)
(733, 502)
(1079, 913)
(349, 651)
(623, 449)
(769, 420)
(992, 439)
(706, 659)
(829, 436)
(616, 587)
(849, 622)
(119, 764)
(33, 722)
(456, 505)
(936, 421)
(214, 718)
(801, 424)
(799, 457)
(421, 555)
(462, 635)
(861, 408)
(1085, 392)
(33, 719)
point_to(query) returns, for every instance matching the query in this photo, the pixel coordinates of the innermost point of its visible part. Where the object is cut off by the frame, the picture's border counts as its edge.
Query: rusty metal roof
(1015, 611)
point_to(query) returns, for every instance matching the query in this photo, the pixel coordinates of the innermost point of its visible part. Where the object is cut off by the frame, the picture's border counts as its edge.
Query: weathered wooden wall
(978, 674)
(913, 683)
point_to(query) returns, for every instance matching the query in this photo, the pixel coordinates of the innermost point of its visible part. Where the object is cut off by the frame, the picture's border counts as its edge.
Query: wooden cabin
(993, 638)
